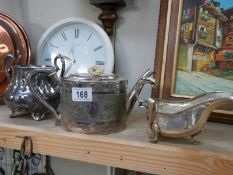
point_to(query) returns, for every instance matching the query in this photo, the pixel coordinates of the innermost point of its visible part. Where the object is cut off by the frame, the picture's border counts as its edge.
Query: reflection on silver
(105, 113)
(182, 118)
(18, 96)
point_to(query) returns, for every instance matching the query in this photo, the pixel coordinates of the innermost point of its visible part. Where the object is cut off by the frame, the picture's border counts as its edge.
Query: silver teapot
(18, 96)
(93, 103)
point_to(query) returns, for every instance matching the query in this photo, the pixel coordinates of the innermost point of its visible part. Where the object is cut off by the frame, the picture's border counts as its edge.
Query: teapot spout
(132, 97)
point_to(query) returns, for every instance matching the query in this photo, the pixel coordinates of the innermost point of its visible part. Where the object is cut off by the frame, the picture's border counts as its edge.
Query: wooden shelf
(128, 149)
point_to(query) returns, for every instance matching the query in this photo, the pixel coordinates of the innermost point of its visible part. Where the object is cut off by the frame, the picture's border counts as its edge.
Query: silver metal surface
(106, 112)
(18, 96)
(132, 97)
(183, 118)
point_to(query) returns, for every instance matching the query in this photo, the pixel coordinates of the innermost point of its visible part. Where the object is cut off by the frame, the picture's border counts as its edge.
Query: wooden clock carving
(109, 15)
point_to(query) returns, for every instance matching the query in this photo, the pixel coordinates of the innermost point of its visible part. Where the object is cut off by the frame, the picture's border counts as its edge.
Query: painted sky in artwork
(225, 3)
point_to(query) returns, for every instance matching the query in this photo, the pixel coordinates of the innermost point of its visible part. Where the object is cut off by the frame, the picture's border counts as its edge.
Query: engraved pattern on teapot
(18, 96)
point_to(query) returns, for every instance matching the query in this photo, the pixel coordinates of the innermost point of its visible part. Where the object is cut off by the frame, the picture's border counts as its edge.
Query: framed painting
(194, 52)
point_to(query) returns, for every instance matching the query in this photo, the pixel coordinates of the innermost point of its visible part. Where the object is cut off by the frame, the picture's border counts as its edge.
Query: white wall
(12, 8)
(135, 39)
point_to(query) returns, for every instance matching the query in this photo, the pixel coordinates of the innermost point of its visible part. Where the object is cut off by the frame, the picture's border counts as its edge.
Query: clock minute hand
(69, 68)
(67, 58)
(72, 55)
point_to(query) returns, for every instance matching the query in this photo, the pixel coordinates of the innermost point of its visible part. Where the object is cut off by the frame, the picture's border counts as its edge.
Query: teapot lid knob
(96, 71)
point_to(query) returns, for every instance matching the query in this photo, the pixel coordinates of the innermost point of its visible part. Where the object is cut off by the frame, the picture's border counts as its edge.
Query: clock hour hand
(67, 58)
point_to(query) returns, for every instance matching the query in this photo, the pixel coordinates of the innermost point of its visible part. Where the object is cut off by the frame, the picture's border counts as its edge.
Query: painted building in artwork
(224, 56)
(201, 35)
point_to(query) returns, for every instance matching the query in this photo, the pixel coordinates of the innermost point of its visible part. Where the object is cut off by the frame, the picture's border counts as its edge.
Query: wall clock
(81, 42)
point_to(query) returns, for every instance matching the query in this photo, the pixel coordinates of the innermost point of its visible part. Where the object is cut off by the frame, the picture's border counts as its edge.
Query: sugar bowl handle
(51, 72)
(6, 65)
(60, 57)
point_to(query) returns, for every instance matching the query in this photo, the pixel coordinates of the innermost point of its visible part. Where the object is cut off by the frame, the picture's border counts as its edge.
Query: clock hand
(69, 68)
(71, 52)
(72, 55)
(67, 58)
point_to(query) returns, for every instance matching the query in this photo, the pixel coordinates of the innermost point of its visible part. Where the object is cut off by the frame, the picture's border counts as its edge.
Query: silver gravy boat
(182, 118)
(18, 96)
(105, 112)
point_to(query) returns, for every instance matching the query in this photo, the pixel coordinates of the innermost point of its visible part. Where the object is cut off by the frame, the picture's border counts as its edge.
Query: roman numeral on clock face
(51, 44)
(89, 36)
(47, 59)
(64, 36)
(99, 62)
(98, 48)
(76, 33)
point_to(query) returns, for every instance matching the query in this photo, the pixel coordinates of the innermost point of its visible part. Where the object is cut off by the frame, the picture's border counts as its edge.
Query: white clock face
(82, 44)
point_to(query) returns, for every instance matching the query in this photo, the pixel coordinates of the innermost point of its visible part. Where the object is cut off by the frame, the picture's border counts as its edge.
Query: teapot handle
(51, 72)
(6, 66)
(59, 56)
(144, 80)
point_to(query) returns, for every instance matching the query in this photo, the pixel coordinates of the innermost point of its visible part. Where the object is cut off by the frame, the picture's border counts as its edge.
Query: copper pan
(6, 47)
(20, 49)
(24, 34)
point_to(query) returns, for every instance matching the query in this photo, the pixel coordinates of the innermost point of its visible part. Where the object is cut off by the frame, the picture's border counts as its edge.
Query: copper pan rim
(23, 33)
(21, 44)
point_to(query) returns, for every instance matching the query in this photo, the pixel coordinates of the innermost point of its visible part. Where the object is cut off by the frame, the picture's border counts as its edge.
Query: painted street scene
(205, 51)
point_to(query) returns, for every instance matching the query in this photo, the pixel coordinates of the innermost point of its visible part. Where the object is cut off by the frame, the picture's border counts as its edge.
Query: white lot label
(81, 94)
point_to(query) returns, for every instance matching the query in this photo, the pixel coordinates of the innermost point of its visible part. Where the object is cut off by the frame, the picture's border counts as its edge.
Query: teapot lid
(86, 77)
(95, 74)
